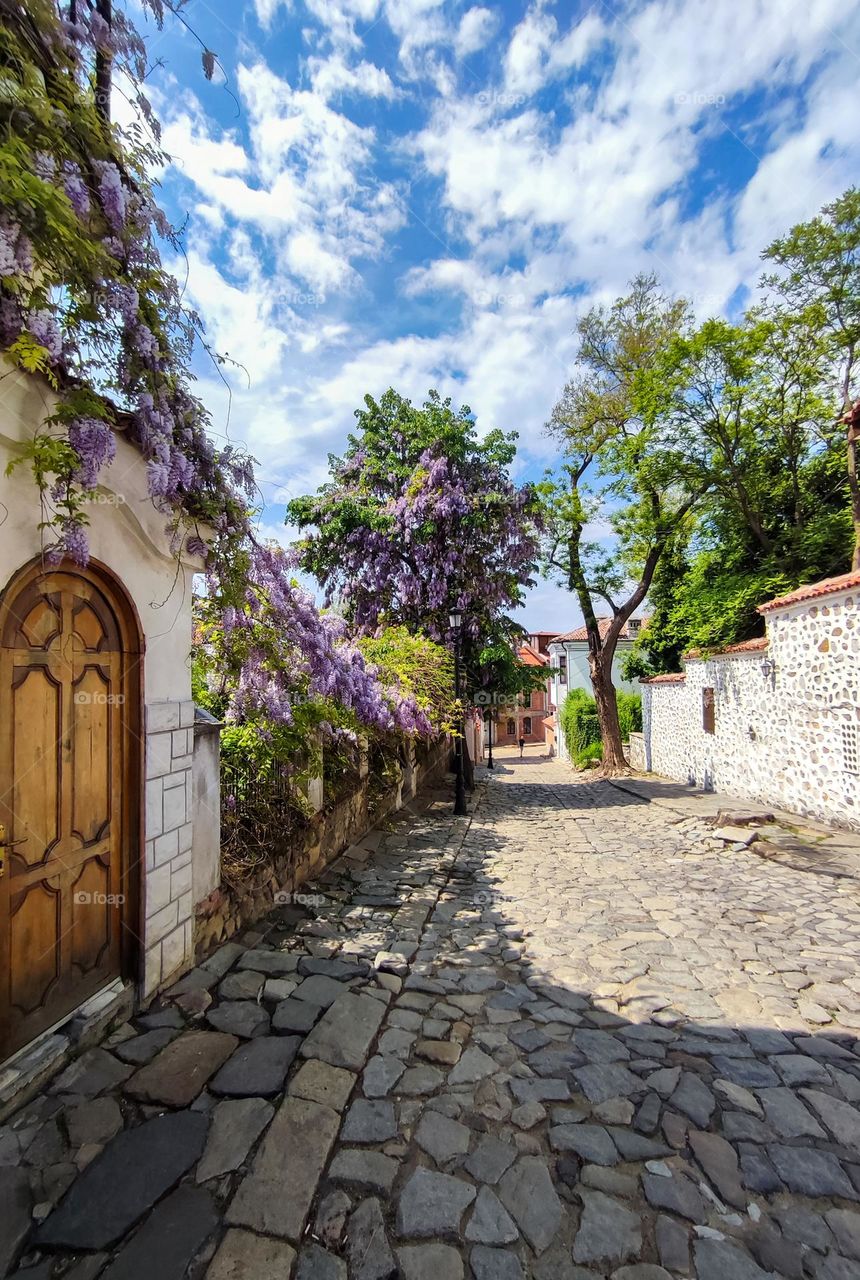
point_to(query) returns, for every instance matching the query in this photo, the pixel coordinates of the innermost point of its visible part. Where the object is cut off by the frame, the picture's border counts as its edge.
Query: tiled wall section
(787, 719)
(168, 906)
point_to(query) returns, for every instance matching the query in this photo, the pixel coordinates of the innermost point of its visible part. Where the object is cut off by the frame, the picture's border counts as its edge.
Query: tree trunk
(853, 424)
(614, 762)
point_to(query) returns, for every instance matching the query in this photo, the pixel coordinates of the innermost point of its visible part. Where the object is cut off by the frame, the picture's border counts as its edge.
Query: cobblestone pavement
(568, 1037)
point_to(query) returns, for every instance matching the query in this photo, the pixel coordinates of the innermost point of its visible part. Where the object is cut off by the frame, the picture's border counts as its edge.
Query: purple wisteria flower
(95, 444)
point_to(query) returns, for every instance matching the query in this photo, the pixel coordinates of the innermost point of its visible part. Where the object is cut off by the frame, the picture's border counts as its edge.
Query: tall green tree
(627, 480)
(819, 285)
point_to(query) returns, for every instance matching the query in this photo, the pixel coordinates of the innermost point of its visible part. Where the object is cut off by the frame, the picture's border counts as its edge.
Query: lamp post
(490, 764)
(460, 809)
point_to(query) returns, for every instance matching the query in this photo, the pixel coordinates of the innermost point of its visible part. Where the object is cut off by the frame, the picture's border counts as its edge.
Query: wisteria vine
(86, 302)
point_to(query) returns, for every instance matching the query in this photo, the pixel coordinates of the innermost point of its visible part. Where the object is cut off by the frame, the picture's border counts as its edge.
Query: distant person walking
(522, 747)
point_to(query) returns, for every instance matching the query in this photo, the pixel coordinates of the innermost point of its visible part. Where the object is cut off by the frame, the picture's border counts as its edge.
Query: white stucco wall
(127, 535)
(786, 734)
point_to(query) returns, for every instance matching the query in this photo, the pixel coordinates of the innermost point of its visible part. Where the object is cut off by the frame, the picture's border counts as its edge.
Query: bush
(630, 714)
(581, 727)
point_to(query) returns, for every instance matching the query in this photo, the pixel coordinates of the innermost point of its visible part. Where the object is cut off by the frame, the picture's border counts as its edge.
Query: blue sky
(422, 193)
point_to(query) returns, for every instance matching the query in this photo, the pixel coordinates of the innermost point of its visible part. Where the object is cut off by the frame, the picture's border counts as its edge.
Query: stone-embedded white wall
(127, 535)
(787, 734)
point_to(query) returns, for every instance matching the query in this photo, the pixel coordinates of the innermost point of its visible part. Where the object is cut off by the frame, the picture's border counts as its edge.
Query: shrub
(581, 727)
(630, 714)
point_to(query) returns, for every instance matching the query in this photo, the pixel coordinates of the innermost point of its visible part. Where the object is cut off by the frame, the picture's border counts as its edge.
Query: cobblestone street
(570, 1036)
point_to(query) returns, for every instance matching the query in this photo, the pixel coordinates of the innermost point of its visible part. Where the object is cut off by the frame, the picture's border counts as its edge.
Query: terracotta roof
(581, 633)
(674, 677)
(530, 657)
(745, 646)
(813, 590)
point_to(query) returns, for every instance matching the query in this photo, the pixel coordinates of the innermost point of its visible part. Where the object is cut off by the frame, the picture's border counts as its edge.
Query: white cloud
(537, 53)
(477, 26)
(332, 76)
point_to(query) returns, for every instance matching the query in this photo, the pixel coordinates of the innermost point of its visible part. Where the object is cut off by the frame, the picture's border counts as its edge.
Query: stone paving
(570, 1036)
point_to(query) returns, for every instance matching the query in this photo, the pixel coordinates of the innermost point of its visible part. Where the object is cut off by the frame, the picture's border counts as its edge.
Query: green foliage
(579, 723)
(629, 713)
(416, 666)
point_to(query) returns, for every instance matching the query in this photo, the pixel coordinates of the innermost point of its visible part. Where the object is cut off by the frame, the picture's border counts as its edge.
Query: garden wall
(312, 845)
(776, 720)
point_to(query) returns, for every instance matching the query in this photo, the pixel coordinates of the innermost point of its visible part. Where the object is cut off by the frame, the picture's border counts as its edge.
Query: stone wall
(786, 711)
(313, 846)
(167, 883)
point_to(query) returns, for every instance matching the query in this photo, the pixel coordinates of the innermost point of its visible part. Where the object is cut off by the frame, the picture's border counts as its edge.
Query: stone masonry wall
(786, 717)
(168, 910)
(226, 910)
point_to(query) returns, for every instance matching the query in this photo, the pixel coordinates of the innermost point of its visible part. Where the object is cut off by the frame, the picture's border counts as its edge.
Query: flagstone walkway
(570, 1036)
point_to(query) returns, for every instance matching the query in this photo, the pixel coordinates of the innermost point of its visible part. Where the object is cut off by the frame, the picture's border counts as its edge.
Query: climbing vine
(87, 303)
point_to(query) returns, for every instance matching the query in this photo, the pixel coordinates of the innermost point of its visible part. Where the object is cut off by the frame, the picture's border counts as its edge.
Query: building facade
(776, 720)
(97, 737)
(568, 655)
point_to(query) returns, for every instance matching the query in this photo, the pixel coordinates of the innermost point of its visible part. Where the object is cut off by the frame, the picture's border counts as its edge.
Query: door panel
(68, 735)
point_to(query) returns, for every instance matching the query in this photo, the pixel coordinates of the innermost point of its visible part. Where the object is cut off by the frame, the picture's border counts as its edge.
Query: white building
(775, 720)
(100, 869)
(569, 658)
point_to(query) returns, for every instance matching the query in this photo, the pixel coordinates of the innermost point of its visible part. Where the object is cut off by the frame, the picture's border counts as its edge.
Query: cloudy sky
(425, 193)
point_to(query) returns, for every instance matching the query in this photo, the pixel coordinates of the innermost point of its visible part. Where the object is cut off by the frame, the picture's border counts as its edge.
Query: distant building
(568, 657)
(525, 716)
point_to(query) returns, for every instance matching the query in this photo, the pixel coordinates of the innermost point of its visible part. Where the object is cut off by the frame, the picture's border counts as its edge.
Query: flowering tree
(86, 302)
(421, 516)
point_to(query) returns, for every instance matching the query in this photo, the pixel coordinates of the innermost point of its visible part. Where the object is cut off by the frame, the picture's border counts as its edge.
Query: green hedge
(581, 729)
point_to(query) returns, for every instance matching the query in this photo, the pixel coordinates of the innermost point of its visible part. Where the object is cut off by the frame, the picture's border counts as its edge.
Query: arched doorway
(70, 786)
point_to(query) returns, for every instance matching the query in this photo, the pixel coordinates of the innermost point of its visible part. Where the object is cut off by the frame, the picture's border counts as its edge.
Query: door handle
(7, 844)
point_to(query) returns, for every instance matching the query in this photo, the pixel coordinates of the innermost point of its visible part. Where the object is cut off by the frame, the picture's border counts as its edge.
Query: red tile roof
(745, 646)
(813, 590)
(581, 633)
(674, 677)
(530, 657)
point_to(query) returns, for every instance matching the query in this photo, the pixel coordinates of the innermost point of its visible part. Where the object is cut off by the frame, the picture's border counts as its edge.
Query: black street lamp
(460, 808)
(490, 764)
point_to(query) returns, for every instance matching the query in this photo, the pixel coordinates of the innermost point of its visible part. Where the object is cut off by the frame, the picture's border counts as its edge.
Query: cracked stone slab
(527, 1193)
(170, 1238)
(432, 1204)
(345, 1032)
(178, 1074)
(236, 1125)
(609, 1232)
(243, 1255)
(133, 1171)
(257, 1069)
(276, 1196)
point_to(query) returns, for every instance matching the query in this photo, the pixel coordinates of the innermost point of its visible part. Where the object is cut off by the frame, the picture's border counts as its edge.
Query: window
(527, 698)
(527, 726)
(512, 728)
(708, 711)
(562, 670)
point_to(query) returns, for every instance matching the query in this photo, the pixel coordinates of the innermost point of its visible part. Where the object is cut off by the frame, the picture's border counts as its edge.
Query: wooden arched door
(70, 784)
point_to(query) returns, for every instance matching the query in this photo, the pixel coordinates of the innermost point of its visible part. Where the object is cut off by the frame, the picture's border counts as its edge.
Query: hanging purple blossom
(95, 444)
(111, 194)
